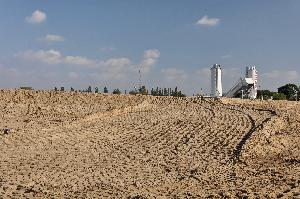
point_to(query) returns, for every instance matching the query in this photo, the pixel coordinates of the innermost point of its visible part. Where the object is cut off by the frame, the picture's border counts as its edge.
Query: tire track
(239, 147)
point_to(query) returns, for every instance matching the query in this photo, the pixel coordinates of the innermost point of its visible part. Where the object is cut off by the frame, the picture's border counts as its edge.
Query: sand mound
(67, 144)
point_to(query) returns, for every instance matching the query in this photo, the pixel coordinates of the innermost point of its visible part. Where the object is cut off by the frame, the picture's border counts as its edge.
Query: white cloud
(151, 53)
(150, 58)
(78, 60)
(37, 17)
(173, 74)
(112, 64)
(148, 62)
(52, 38)
(54, 57)
(48, 56)
(119, 71)
(116, 67)
(116, 62)
(206, 21)
(289, 75)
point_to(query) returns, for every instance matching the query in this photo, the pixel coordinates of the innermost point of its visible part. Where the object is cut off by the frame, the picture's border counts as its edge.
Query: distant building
(216, 81)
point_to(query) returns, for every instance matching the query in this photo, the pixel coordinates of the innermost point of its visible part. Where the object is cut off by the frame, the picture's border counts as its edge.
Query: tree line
(286, 92)
(141, 90)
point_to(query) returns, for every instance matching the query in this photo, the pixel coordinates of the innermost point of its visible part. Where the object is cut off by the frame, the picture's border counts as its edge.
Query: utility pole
(140, 79)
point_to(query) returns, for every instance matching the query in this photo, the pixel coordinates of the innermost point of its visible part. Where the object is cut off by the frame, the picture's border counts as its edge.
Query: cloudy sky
(104, 43)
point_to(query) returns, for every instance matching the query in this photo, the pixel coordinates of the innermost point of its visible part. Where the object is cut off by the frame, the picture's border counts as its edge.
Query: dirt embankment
(67, 144)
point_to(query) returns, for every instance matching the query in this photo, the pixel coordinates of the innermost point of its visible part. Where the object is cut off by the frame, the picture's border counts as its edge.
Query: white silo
(216, 81)
(251, 72)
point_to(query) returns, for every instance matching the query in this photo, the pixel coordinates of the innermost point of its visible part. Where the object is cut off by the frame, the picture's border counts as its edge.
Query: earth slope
(68, 144)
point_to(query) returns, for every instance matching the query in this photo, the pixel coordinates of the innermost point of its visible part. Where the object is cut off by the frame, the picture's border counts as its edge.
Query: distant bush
(142, 90)
(117, 91)
(133, 92)
(279, 96)
(26, 88)
(266, 94)
(167, 92)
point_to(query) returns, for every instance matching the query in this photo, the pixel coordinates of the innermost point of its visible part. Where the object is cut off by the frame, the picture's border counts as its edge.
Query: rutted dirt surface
(66, 145)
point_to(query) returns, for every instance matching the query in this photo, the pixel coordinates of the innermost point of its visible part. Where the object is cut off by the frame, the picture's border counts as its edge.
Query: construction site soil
(87, 145)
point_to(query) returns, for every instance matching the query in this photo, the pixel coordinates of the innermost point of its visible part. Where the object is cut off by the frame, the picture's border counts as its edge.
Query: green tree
(152, 91)
(89, 90)
(142, 90)
(132, 92)
(105, 90)
(289, 90)
(160, 92)
(264, 93)
(165, 92)
(180, 94)
(279, 96)
(117, 91)
(155, 92)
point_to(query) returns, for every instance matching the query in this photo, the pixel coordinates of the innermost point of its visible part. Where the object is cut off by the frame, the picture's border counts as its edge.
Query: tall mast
(140, 78)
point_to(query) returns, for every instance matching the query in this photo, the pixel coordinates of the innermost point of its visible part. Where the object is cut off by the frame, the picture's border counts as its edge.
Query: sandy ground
(75, 145)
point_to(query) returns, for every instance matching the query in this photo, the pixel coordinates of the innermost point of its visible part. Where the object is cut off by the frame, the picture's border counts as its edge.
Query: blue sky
(104, 43)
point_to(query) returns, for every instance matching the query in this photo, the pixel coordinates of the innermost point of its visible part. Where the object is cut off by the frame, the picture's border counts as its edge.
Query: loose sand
(67, 145)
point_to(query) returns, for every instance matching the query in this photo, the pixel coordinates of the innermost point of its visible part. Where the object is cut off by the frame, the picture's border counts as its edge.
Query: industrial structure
(216, 81)
(246, 87)
(251, 72)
